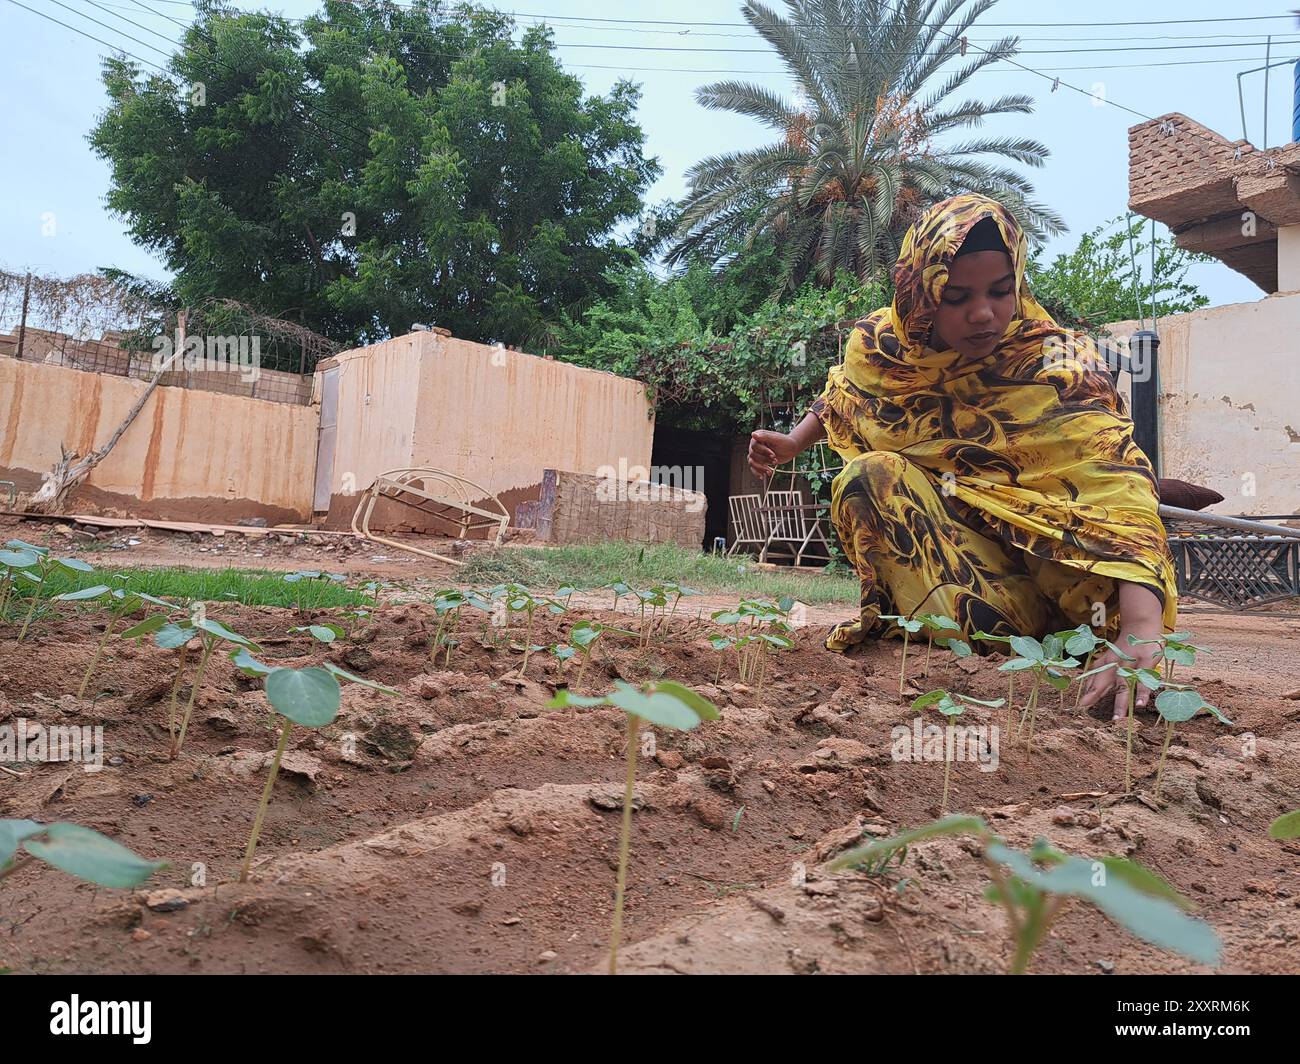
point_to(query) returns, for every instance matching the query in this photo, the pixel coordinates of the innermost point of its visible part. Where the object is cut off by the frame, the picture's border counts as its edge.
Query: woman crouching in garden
(990, 470)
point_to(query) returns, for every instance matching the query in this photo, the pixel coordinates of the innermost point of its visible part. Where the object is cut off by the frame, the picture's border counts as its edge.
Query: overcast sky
(52, 92)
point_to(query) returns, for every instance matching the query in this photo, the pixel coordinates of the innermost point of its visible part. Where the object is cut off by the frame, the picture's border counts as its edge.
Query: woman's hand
(1140, 616)
(768, 449)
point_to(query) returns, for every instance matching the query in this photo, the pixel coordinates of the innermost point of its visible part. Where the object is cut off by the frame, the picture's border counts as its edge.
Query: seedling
(1176, 705)
(309, 697)
(759, 627)
(1148, 678)
(520, 600)
(1174, 650)
(583, 637)
(1034, 887)
(951, 706)
(656, 599)
(1048, 663)
(664, 703)
(620, 589)
(321, 631)
(38, 571)
(71, 848)
(15, 562)
(170, 636)
(910, 628)
(447, 604)
(120, 603)
(678, 592)
(935, 623)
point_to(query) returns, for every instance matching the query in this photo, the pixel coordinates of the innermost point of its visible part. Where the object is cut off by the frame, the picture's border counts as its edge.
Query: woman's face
(977, 304)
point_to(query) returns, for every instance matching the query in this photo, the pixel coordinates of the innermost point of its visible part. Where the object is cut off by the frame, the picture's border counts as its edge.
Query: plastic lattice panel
(1239, 572)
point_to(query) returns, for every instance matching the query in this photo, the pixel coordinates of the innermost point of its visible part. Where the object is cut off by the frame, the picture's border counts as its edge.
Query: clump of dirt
(464, 827)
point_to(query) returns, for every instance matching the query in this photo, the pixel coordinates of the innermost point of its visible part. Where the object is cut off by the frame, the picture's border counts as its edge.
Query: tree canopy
(376, 166)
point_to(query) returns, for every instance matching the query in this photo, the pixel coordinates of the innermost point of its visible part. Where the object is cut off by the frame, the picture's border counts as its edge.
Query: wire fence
(101, 325)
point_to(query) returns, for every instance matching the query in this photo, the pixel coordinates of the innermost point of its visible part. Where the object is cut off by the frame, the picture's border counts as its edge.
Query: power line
(98, 40)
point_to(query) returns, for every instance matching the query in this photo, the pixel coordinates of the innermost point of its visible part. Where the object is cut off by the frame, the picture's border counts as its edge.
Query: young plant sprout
(520, 600)
(620, 589)
(1034, 888)
(321, 631)
(1048, 663)
(15, 561)
(1176, 705)
(1174, 650)
(656, 599)
(583, 637)
(759, 627)
(171, 636)
(935, 623)
(1148, 678)
(38, 571)
(667, 704)
(71, 848)
(678, 592)
(120, 603)
(951, 706)
(447, 604)
(910, 628)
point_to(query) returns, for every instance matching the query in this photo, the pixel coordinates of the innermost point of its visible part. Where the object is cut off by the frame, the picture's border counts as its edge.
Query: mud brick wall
(585, 508)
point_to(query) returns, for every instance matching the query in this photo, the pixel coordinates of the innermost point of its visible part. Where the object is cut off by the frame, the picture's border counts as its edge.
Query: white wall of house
(1230, 401)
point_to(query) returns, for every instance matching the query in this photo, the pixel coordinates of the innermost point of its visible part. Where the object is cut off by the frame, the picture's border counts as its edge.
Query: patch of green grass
(249, 587)
(593, 565)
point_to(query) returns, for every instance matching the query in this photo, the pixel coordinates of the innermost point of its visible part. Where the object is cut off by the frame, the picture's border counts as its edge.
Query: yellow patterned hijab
(1033, 435)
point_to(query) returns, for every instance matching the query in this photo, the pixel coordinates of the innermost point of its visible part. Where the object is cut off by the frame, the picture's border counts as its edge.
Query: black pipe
(1144, 347)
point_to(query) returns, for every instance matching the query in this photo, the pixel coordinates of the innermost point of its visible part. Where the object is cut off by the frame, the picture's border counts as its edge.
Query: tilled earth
(464, 827)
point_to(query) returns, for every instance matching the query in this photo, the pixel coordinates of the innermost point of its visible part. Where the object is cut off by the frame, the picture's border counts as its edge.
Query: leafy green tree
(865, 146)
(1105, 277)
(375, 166)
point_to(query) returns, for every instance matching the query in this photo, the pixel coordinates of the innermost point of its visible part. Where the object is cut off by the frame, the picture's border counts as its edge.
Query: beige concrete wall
(1230, 402)
(189, 455)
(496, 417)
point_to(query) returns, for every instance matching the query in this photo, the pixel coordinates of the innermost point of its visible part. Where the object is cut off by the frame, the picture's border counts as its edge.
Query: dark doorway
(703, 463)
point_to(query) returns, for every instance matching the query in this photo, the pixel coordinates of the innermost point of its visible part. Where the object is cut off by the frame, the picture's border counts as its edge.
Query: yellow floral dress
(1005, 491)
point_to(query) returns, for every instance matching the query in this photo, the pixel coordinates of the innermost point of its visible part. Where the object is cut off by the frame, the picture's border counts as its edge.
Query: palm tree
(859, 155)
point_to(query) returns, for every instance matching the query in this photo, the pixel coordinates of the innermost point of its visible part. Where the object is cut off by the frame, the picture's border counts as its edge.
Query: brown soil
(463, 827)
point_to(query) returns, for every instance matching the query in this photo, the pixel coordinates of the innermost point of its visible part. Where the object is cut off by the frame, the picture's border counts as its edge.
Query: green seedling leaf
(86, 593)
(249, 665)
(657, 708)
(1287, 826)
(1142, 878)
(309, 697)
(703, 708)
(564, 653)
(146, 627)
(23, 545)
(565, 698)
(18, 559)
(343, 674)
(959, 648)
(929, 699)
(956, 824)
(171, 636)
(12, 832)
(89, 855)
(325, 633)
(76, 565)
(1152, 918)
(219, 630)
(1081, 641)
(1019, 665)
(986, 638)
(1028, 647)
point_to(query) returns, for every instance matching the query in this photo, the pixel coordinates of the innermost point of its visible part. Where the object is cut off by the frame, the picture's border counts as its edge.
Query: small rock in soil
(358, 658)
(710, 812)
(393, 741)
(168, 900)
(669, 759)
